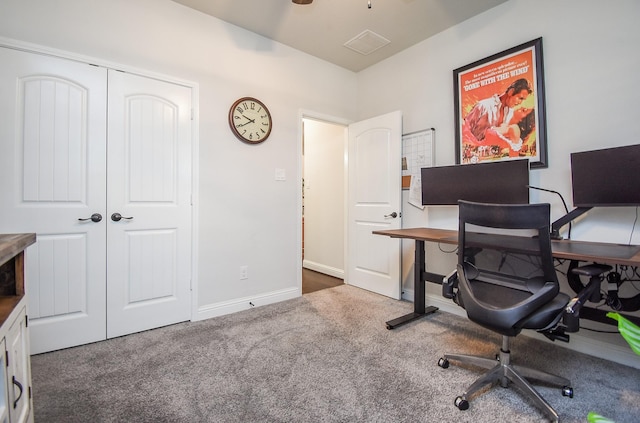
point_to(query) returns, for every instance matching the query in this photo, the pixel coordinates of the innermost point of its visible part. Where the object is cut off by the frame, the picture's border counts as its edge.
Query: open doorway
(323, 203)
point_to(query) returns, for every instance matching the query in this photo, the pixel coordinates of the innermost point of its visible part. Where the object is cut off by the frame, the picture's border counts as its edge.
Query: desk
(598, 252)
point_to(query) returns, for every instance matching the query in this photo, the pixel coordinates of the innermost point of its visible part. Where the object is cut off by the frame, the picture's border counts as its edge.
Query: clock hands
(246, 123)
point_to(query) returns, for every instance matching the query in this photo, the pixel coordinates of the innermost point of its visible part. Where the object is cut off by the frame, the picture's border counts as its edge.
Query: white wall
(324, 194)
(591, 62)
(245, 216)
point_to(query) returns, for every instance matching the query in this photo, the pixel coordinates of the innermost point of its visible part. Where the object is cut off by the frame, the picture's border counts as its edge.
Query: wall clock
(250, 120)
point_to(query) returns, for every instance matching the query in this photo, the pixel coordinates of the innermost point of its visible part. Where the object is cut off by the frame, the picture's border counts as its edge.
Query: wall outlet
(244, 272)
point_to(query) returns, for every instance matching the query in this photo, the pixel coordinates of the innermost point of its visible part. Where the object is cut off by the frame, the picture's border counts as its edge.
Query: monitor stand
(573, 214)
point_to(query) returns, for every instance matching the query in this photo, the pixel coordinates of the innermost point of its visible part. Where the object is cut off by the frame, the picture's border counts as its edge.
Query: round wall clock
(250, 120)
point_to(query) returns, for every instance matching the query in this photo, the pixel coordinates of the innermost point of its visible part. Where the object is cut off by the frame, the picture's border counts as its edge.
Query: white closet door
(149, 168)
(52, 173)
(91, 279)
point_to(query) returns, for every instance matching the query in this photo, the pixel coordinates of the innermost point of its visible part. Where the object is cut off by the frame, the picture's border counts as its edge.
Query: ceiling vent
(366, 42)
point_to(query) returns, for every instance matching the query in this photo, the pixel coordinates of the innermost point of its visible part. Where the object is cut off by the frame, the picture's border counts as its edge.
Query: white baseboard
(323, 268)
(579, 342)
(239, 304)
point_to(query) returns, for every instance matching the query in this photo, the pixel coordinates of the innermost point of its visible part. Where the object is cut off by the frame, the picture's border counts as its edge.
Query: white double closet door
(79, 141)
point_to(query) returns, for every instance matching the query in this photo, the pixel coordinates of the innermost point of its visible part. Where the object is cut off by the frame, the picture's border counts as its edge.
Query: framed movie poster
(500, 107)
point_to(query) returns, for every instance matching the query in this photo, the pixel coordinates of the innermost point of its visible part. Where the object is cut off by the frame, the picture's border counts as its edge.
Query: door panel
(54, 113)
(375, 148)
(60, 259)
(52, 167)
(149, 167)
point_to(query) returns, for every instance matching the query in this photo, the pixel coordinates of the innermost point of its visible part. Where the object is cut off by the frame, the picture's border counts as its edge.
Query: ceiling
(322, 28)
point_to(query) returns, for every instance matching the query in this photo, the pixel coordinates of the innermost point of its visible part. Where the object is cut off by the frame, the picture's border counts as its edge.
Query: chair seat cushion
(499, 297)
(547, 314)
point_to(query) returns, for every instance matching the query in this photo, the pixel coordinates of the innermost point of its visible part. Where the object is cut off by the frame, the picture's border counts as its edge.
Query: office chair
(507, 283)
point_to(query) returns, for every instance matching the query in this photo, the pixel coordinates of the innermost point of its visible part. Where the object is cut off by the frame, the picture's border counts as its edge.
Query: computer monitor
(607, 177)
(503, 182)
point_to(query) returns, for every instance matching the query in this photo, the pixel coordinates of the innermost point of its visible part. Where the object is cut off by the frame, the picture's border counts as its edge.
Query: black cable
(633, 228)
(564, 203)
(598, 330)
(445, 251)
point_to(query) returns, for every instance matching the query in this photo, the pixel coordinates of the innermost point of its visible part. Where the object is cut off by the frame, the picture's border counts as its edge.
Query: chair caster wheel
(461, 403)
(389, 327)
(567, 391)
(444, 363)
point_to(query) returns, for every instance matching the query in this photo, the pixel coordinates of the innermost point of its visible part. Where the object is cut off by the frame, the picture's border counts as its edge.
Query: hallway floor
(314, 281)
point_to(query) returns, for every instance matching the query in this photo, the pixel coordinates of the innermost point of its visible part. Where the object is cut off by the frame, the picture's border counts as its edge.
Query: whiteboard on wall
(418, 151)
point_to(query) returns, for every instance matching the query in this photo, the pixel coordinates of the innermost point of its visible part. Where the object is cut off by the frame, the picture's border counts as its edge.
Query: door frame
(309, 114)
(195, 137)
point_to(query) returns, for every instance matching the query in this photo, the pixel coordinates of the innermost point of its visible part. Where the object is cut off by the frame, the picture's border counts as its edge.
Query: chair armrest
(583, 296)
(571, 318)
(591, 291)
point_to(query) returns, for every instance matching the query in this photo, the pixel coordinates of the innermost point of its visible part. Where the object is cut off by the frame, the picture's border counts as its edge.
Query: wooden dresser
(16, 403)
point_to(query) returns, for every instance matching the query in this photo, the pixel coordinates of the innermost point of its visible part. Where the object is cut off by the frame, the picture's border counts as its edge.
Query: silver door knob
(392, 215)
(116, 217)
(96, 217)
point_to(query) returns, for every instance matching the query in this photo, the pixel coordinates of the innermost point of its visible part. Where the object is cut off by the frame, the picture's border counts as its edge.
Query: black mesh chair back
(507, 275)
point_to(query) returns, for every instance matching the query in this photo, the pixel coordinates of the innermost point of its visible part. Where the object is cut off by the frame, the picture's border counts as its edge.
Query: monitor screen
(607, 177)
(493, 182)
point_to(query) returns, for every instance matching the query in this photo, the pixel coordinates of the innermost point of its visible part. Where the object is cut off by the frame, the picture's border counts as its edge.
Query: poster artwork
(497, 103)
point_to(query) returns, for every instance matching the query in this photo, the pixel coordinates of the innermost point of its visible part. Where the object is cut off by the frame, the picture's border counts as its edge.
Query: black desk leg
(419, 273)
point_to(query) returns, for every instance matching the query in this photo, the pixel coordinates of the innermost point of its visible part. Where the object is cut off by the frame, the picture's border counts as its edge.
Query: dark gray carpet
(324, 357)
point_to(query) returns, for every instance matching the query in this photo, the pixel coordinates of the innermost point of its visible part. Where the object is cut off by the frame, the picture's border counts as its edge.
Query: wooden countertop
(12, 244)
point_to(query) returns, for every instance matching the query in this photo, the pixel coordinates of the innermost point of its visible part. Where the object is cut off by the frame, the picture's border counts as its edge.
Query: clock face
(250, 120)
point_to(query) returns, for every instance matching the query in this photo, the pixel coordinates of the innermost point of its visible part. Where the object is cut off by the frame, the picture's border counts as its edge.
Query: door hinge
(6, 358)
(26, 321)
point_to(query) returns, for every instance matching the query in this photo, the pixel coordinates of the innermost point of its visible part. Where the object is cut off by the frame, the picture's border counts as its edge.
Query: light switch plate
(281, 175)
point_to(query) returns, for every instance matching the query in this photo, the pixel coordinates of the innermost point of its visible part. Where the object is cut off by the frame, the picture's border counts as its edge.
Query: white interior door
(149, 168)
(90, 277)
(374, 203)
(52, 173)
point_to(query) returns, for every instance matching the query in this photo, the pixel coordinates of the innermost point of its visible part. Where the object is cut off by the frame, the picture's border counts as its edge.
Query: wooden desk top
(445, 236)
(599, 252)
